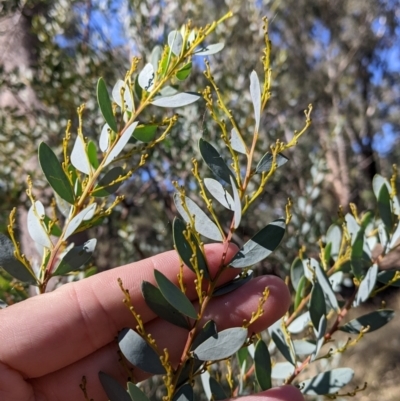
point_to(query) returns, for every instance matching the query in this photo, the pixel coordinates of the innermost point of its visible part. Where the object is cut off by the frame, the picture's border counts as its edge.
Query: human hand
(48, 342)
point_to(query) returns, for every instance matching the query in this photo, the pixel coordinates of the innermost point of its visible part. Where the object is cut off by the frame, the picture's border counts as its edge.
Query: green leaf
(55, 229)
(283, 341)
(261, 245)
(92, 154)
(184, 249)
(296, 272)
(233, 285)
(203, 224)
(145, 133)
(282, 370)
(317, 304)
(136, 393)
(161, 307)
(54, 173)
(357, 254)
(367, 285)
(146, 77)
(120, 145)
(139, 353)
(217, 391)
(215, 162)
(184, 72)
(174, 295)
(384, 207)
(219, 193)
(222, 345)
(126, 99)
(178, 100)
(12, 265)
(265, 164)
(114, 391)
(375, 320)
(387, 275)
(326, 287)
(105, 104)
(106, 185)
(185, 393)
(262, 364)
(300, 293)
(208, 50)
(76, 257)
(255, 93)
(104, 140)
(84, 215)
(327, 382)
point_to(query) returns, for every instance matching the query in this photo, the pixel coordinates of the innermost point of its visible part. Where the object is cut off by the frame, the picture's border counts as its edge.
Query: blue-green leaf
(384, 207)
(11, 265)
(320, 334)
(374, 320)
(174, 295)
(233, 285)
(146, 77)
(185, 393)
(175, 42)
(217, 391)
(367, 285)
(261, 245)
(139, 353)
(296, 272)
(161, 307)
(219, 193)
(106, 185)
(79, 157)
(327, 382)
(265, 164)
(136, 393)
(76, 257)
(334, 237)
(282, 341)
(237, 204)
(105, 104)
(208, 50)
(178, 100)
(282, 370)
(55, 174)
(126, 99)
(317, 304)
(215, 162)
(145, 133)
(237, 142)
(255, 93)
(114, 391)
(388, 275)
(36, 228)
(202, 223)
(300, 323)
(221, 346)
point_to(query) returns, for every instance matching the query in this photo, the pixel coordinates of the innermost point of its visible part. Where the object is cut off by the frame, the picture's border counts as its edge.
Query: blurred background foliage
(341, 56)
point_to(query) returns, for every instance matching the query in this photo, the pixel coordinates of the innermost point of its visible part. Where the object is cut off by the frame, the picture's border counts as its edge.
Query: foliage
(84, 186)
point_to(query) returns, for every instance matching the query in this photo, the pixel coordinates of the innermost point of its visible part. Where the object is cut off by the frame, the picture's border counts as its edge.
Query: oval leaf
(265, 164)
(11, 265)
(261, 245)
(385, 209)
(233, 285)
(375, 320)
(79, 157)
(136, 393)
(217, 391)
(105, 104)
(262, 364)
(174, 295)
(55, 174)
(36, 227)
(161, 307)
(208, 50)
(320, 334)
(388, 275)
(184, 249)
(317, 304)
(146, 77)
(282, 370)
(122, 141)
(175, 42)
(185, 393)
(326, 287)
(184, 72)
(255, 93)
(104, 140)
(299, 324)
(106, 185)
(327, 382)
(221, 346)
(207, 331)
(303, 347)
(296, 272)
(334, 237)
(178, 100)
(75, 258)
(145, 133)
(237, 142)
(127, 98)
(215, 162)
(139, 353)
(85, 214)
(202, 223)
(219, 193)
(367, 285)
(114, 391)
(237, 204)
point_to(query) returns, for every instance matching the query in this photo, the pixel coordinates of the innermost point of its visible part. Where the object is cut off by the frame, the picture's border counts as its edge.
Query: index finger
(53, 330)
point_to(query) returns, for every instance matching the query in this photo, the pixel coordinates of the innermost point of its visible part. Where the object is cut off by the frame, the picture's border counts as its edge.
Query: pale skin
(48, 342)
